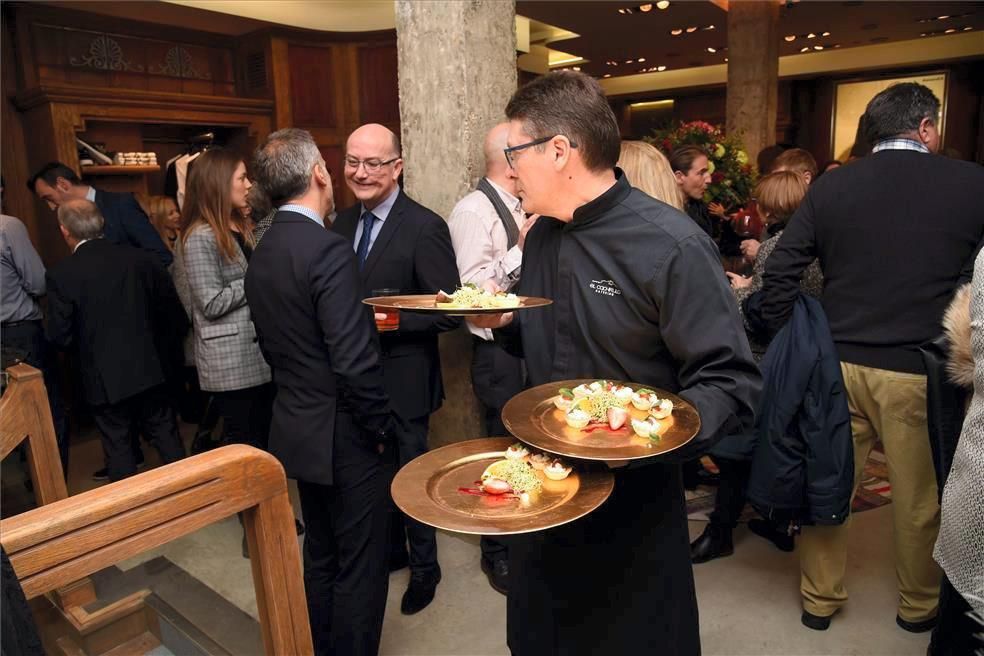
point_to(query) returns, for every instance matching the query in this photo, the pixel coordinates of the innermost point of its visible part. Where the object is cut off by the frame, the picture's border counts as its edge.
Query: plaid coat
(226, 350)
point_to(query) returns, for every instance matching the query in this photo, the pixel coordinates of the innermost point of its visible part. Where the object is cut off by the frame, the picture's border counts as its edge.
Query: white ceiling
(326, 15)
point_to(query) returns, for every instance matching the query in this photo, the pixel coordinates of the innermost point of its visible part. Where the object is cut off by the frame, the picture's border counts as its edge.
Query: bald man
(488, 229)
(401, 245)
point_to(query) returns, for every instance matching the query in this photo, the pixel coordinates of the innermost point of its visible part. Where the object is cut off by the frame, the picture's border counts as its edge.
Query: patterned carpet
(874, 491)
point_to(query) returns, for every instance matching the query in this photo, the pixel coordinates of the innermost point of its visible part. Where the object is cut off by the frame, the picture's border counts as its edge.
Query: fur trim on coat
(956, 325)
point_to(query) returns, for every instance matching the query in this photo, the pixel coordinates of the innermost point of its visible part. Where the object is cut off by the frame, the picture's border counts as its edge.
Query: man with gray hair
(894, 232)
(117, 306)
(332, 428)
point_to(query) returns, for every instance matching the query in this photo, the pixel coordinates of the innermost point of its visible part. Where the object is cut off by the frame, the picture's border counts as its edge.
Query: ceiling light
(818, 47)
(646, 7)
(607, 75)
(811, 35)
(942, 17)
(709, 27)
(725, 60)
(641, 59)
(621, 11)
(923, 34)
(949, 31)
(805, 49)
(825, 34)
(691, 30)
(790, 38)
(661, 68)
(711, 50)
(577, 68)
(676, 32)
(663, 4)
(968, 28)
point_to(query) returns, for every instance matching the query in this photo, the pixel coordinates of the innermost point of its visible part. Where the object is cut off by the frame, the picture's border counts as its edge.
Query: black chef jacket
(639, 295)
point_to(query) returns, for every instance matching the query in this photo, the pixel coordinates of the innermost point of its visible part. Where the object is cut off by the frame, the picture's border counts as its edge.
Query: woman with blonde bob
(165, 217)
(649, 171)
(215, 246)
(778, 195)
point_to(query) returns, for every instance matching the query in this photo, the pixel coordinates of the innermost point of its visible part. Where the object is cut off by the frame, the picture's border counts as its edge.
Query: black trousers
(496, 378)
(27, 338)
(404, 530)
(732, 491)
(246, 415)
(954, 634)
(149, 412)
(346, 572)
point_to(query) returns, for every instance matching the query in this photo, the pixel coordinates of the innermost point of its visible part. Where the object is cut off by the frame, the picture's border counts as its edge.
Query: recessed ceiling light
(725, 60)
(805, 49)
(577, 68)
(968, 28)
(628, 61)
(607, 75)
(711, 50)
(825, 34)
(691, 30)
(811, 35)
(949, 31)
(709, 27)
(942, 17)
(923, 34)
(641, 59)
(646, 7)
(676, 32)
(790, 38)
(621, 11)
(661, 68)
(818, 47)
(663, 4)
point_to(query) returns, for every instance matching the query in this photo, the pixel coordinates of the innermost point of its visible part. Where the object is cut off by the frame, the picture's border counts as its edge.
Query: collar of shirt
(84, 241)
(306, 211)
(514, 204)
(597, 207)
(382, 210)
(900, 144)
(90, 195)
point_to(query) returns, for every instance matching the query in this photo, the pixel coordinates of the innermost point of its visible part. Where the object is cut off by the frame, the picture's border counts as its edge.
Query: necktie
(368, 218)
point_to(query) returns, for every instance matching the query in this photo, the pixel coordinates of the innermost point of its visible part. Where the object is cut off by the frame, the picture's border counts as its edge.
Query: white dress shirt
(381, 211)
(481, 245)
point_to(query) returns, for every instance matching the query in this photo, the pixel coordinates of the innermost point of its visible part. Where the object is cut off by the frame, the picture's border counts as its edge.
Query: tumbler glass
(392, 320)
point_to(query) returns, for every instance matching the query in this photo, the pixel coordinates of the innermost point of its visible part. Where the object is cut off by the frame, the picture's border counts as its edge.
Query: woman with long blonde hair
(649, 171)
(215, 246)
(165, 217)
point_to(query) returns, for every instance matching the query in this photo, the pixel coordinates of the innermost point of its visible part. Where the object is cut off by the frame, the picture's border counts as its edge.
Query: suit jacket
(116, 304)
(226, 351)
(412, 253)
(303, 289)
(126, 223)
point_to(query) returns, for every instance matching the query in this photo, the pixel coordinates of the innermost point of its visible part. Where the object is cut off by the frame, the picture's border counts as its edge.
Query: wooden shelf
(113, 169)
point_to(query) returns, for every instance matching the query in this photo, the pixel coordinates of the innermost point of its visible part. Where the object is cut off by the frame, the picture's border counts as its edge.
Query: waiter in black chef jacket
(639, 295)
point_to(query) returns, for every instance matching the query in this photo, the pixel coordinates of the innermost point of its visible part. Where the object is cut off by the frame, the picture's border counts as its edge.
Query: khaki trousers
(891, 406)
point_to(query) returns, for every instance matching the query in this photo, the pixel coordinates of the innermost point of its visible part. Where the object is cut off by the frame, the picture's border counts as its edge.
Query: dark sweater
(894, 232)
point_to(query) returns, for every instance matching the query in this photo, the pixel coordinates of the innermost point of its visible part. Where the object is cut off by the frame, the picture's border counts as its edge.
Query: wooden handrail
(66, 540)
(26, 416)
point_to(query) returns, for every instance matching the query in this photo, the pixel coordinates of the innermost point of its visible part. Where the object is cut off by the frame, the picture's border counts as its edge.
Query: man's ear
(62, 184)
(924, 127)
(66, 235)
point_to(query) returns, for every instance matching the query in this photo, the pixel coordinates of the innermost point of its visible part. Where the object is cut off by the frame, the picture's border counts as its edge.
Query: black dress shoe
(714, 542)
(497, 572)
(815, 622)
(419, 593)
(767, 530)
(399, 561)
(916, 627)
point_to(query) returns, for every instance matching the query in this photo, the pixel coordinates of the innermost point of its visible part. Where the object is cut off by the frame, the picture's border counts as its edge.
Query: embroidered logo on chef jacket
(605, 288)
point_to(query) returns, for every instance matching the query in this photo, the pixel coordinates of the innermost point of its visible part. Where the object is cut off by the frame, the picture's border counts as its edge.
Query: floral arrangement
(732, 177)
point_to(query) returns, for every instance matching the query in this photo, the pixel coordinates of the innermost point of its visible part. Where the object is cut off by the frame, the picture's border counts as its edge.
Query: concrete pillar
(753, 72)
(457, 71)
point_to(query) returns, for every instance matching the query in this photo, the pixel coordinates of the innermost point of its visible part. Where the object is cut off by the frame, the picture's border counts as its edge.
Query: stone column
(457, 71)
(753, 72)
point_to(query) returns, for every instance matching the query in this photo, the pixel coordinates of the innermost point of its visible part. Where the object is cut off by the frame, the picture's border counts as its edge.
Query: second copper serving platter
(428, 303)
(532, 417)
(427, 489)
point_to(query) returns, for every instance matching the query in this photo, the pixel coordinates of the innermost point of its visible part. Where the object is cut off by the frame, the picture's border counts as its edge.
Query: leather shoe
(815, 622)
(767, 530)
(916, 627)
(497, 572)
(419, 593)
(714, 542)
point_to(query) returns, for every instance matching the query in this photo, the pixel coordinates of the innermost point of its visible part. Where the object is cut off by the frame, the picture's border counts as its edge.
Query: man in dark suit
(117, 306)
(126, 222)
(332, 428)
(402, 245)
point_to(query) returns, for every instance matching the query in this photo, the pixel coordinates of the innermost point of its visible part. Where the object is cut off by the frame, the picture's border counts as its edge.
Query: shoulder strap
(508, 222)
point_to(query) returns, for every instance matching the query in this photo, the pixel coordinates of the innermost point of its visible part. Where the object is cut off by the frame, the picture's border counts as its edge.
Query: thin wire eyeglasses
(508, 152)
(372, 165)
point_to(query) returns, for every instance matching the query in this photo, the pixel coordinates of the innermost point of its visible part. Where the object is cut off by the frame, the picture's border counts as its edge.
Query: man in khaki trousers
(895, 232)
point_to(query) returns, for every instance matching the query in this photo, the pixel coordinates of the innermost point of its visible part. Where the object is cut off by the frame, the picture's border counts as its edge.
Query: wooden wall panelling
(379, 92)
(18, 201)
(280, 69)
(313, 86)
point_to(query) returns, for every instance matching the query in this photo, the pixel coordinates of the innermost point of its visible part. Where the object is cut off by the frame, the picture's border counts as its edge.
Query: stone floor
(749, 603)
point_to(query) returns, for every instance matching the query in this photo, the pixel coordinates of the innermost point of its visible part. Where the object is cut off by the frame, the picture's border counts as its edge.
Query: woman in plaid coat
(216, 244)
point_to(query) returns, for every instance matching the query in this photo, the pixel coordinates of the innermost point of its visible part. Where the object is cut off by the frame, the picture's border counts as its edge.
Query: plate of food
(467, 299)
(601, 419)
(497, 486)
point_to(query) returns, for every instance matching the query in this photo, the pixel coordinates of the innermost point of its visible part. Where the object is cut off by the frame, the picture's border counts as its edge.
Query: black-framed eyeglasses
(536, 142)
(372, 165)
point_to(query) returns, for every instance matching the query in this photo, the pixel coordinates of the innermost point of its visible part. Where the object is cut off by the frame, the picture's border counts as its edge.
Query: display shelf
(114, 169)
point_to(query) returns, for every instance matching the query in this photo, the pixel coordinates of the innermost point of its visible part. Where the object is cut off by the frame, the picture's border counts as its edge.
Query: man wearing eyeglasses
(401, 245)
(638, 296)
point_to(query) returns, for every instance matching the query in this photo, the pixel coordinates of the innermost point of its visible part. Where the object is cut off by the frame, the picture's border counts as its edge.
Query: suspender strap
(508, 222)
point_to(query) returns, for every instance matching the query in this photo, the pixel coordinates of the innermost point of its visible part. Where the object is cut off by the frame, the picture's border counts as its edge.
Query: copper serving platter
(428, 303)
(427, 489)
(532, 417)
